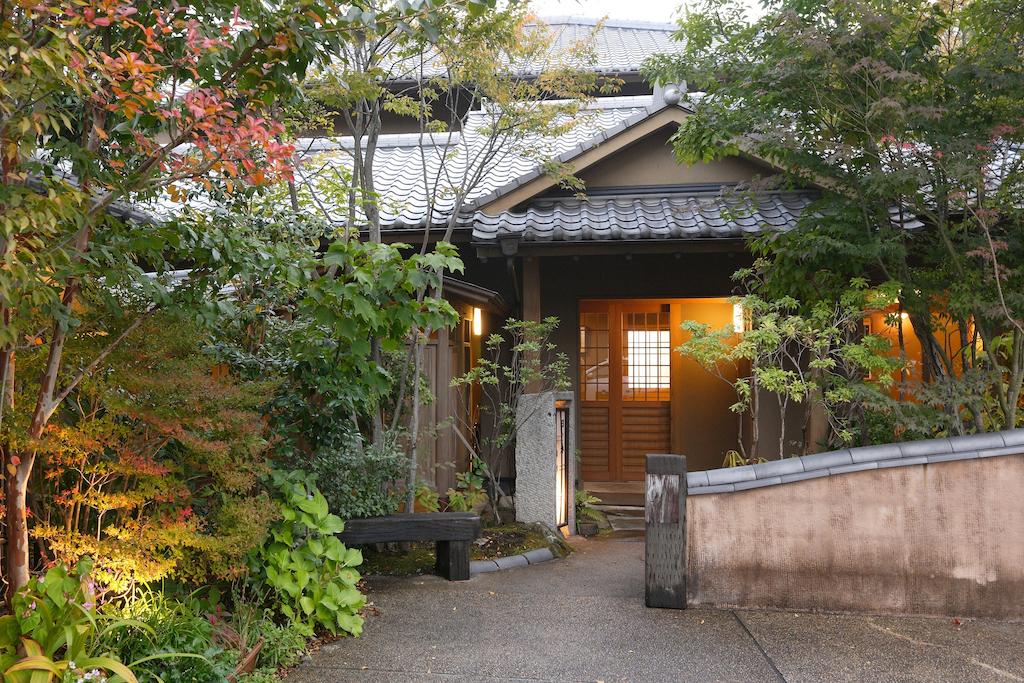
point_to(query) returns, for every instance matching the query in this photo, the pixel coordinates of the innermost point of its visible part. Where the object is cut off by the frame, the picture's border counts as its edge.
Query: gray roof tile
(995, 452)
(870, 453)
(619, 46)
(777, 468)
(855, 467)
(903, 462)
(730, 475)
(399, 163)
(1014, 437)
(926, 447)
(803, 476)
(717, 488)
(974, 442)
(675, 214)
(757, 483)
(697, 478)
(822, 461)
(947, 457)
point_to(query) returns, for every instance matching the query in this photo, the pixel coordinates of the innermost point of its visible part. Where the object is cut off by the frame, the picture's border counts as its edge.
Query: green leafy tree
(810, 356)
(909, 116)
(471, 58)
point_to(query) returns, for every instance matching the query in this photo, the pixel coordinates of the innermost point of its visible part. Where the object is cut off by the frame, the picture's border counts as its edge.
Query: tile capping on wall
(847, 460)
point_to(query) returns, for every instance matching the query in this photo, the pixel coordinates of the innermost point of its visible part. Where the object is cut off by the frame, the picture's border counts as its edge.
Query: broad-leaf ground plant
(55, 633)
(304, 563)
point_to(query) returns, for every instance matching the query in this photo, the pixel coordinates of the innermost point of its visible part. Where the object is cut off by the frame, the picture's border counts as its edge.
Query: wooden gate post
(665, 517)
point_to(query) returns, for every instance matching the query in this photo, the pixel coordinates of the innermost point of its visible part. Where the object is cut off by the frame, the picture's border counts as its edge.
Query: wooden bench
(452, 532)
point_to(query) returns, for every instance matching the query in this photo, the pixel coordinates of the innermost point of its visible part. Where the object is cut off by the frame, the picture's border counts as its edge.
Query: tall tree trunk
(18, 472)
(414, 427)
(783, 409)
(755, 428)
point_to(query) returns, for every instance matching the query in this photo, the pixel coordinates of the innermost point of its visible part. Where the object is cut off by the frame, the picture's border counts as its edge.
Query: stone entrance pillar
(546, 460)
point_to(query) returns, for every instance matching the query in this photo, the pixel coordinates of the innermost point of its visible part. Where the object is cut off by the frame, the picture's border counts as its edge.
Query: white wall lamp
(478, 322)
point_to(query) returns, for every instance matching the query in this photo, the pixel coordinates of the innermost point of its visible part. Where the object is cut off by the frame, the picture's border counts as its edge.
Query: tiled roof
(681, 215)
(848, 460)
(619, 47)
(400, 162)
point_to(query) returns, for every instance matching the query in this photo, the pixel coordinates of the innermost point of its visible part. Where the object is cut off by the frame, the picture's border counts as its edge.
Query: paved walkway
(583, 619)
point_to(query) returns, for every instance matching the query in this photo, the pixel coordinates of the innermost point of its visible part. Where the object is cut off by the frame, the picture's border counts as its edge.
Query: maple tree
(154, 469)
(109, 105)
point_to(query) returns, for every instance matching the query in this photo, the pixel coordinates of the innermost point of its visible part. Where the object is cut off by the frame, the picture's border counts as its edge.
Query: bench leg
(453, 560)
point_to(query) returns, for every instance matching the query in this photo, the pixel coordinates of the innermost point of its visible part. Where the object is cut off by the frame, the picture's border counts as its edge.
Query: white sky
(664, 11)
(637, 10)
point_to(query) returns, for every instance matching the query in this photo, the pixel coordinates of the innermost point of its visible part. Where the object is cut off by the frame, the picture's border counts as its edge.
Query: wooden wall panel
(594, 441)
(427, 443)
(646, 428)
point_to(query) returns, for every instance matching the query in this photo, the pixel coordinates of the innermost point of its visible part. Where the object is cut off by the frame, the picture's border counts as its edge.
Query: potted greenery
(587, 516)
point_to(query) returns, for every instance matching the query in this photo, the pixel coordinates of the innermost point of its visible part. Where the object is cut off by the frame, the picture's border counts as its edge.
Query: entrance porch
(620, 321)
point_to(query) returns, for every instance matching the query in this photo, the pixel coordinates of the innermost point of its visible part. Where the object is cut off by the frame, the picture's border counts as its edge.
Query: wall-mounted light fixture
(739, 318)
(478, 322)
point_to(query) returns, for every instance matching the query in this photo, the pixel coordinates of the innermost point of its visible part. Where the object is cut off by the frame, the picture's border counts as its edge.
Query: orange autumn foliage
(154, 468)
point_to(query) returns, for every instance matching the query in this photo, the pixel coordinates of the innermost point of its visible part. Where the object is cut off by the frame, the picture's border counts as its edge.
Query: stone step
(620, 497)
(621, 510)
(626, 523)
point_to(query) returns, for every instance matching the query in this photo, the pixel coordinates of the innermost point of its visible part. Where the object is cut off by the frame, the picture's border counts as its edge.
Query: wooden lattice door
(624, 387)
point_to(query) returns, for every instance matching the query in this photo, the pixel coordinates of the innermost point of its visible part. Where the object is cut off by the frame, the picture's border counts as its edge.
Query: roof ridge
(668, 192)
(328, 143)
(574, 20)
(597, 103)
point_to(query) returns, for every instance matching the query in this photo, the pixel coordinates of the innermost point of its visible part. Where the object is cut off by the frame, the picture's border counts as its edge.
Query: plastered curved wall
(943, 537)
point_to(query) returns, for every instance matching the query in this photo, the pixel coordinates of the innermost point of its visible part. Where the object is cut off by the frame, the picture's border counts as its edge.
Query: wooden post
(531, 302)
(452, 560)
(531, 288)
(665, 517)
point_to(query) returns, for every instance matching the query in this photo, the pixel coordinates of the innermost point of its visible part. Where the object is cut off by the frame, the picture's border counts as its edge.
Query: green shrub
(360, 480)
(283, 644)
(585, 502)
(260, 676)
(304, 565)
(469, 491)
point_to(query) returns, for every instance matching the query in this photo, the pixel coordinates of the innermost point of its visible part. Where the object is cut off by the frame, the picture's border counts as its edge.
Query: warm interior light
(739, 322)
(478, 322)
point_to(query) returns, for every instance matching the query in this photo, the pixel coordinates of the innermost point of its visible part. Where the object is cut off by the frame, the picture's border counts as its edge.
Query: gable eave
(586, 154)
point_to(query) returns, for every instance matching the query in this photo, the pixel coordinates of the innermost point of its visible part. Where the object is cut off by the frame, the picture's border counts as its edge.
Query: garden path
(583, 619)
